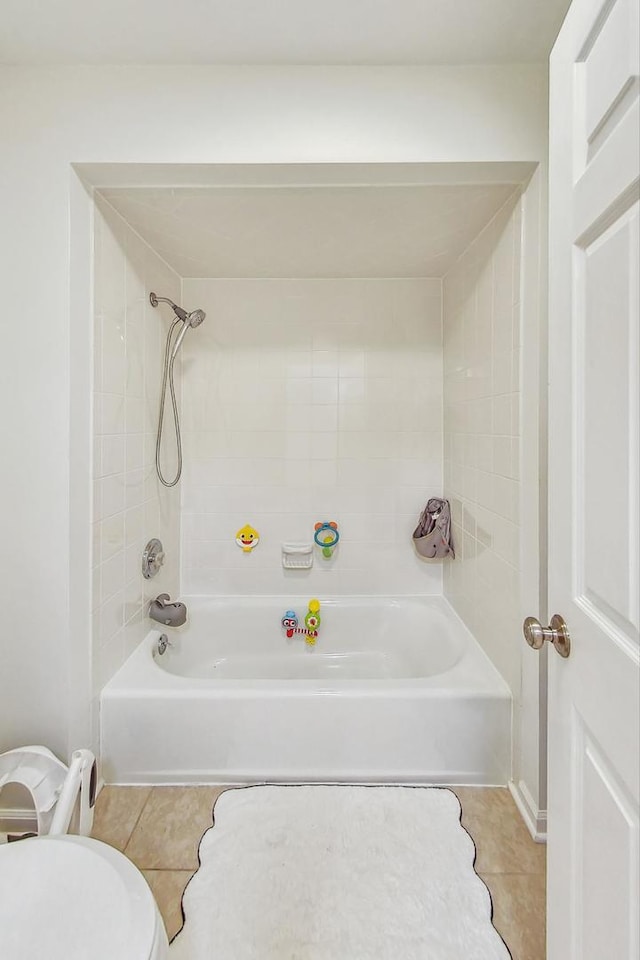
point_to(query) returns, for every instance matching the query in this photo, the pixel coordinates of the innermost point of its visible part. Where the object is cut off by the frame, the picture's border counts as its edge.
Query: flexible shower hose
(169, 358)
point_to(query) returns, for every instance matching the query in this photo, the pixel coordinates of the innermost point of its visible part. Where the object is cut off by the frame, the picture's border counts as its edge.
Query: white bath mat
(337, 873)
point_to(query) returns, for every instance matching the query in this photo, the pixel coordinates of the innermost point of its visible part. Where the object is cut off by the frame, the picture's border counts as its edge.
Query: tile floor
(159, 828)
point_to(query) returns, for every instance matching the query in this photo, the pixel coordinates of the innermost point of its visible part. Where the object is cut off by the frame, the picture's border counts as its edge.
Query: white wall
(494, 438)
(481, 295)
(308, 401)
(130, 506)
(53, 117)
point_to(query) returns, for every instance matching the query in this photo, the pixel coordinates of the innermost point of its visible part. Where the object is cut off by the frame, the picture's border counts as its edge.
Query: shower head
(193, 319)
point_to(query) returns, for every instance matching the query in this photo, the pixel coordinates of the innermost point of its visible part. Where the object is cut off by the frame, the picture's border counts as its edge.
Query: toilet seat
(69, 898)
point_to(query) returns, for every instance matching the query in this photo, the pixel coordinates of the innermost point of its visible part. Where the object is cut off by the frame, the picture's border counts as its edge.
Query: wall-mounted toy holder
(326, 536)
(247, 538)
(311, 623)
(297, 556)
(432, 537)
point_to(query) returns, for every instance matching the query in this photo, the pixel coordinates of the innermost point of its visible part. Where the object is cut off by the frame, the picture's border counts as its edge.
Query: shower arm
(154, 300)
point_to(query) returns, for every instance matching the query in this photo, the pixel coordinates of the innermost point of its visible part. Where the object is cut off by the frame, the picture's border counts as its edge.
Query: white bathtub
(394, 690)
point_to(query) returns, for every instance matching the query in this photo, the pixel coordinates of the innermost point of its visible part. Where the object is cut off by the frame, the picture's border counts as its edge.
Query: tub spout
(168, 613)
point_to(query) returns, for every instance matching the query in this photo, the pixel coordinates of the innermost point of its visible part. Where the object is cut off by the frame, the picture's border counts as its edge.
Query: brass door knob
(556, 633)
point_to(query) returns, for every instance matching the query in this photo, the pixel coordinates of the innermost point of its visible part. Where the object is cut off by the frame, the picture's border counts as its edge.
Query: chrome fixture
(168, 612)
(152, 558)
(162, 644)
(188, 320)
(556, 633)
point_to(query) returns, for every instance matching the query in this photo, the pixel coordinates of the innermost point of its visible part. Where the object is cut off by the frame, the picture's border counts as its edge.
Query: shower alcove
(363, 350)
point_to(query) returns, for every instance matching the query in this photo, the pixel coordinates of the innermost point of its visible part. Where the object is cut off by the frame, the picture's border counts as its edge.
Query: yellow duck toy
(247, 538)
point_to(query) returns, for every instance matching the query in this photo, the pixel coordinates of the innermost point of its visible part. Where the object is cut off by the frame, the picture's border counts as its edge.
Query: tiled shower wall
(130, 506)
(481, 319)
(304, 401)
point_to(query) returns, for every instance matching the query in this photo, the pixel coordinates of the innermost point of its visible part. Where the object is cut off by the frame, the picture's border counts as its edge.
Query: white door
(594, 723)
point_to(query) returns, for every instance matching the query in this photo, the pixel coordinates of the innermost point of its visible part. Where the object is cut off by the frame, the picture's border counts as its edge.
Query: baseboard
(535, 819)
(17, 820)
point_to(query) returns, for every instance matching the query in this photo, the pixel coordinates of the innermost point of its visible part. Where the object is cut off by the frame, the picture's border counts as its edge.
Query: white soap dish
(297, 556)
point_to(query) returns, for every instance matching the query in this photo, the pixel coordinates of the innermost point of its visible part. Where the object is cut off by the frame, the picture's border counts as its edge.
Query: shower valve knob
(152, 558)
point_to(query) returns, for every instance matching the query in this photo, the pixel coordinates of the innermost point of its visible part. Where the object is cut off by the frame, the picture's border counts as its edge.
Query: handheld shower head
(193, 319)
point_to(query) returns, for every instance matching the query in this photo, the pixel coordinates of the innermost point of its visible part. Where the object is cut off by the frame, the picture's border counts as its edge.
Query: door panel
(605, 845)
(606, 554)
(609, 65)
(594, 533)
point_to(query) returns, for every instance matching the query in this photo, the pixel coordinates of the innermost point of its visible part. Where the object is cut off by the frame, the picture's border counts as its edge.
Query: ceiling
(279, 32)
(311, 231)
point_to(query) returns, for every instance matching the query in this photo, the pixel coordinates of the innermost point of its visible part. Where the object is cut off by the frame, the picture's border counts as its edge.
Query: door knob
(556, 633)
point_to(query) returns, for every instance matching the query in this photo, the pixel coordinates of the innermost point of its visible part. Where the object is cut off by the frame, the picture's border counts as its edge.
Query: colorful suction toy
(311, 623)
(290, 622)
(326, 536)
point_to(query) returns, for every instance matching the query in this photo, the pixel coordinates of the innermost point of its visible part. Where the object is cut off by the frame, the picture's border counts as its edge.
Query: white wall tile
(128, 345)
(111, 616)
(113, 352)
(111, 536)
(110, 410)
(482, 442)
(305, 401)
(112, 455)
(112, 576)
(111, 496)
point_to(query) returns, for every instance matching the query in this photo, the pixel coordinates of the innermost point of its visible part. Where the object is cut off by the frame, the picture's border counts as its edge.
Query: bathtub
(394, 690)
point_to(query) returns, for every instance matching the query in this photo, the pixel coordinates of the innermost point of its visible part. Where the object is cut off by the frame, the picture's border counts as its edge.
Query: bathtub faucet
(168, 613)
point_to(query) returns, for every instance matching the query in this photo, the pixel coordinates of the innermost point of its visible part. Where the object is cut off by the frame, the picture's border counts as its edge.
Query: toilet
(72, 898)
(66, 896)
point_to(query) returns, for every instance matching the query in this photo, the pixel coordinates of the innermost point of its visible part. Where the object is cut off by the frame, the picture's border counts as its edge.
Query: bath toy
(326, 536)
(290, 622)
(247, 538)
(311, 623)
(328, 544)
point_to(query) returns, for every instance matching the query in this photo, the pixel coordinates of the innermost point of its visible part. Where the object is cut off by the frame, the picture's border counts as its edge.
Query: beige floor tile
(160, 828)
(519, 912)
(116, 814)
(167, 887)
(168, 832)
(503, 843)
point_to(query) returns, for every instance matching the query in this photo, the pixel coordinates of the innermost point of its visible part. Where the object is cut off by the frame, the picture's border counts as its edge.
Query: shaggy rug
(337, 873)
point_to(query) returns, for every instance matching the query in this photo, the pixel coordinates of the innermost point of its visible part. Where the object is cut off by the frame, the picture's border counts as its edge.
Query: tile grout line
(169, 869)
(142, 809)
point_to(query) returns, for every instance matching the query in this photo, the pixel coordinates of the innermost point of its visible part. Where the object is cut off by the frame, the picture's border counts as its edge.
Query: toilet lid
(69, 898)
